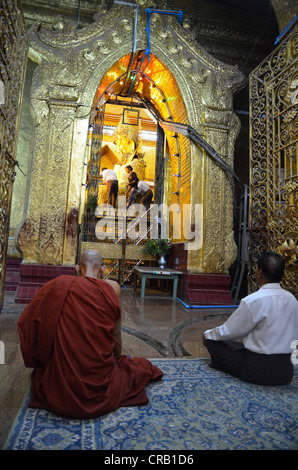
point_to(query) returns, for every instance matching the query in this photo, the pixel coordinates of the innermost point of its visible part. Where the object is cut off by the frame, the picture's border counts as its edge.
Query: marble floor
(153, 327)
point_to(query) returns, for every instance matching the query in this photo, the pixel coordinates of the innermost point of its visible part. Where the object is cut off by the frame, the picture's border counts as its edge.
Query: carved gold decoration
(289, 251)
(75, 67)
(274, 165)
(13, 56)
(228, 257)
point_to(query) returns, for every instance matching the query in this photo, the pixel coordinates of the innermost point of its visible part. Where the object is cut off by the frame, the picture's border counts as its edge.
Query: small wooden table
(156, 273)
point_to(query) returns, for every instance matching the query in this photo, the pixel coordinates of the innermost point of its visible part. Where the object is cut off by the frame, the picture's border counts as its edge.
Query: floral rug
(194, 407)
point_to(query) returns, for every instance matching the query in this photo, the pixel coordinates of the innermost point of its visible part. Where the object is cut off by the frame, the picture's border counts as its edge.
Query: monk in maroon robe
(70, 336)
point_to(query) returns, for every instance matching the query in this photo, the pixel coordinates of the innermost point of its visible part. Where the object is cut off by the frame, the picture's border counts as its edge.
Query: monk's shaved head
(91, 258)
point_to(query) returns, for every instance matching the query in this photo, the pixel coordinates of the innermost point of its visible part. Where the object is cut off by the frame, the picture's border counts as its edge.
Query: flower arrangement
(160, 246)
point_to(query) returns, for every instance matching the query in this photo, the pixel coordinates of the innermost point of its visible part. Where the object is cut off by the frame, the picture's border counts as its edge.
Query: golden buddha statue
(128, 141)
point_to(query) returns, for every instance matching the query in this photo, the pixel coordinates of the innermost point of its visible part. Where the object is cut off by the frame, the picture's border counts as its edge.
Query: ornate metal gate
(13, 58)
(274, 159)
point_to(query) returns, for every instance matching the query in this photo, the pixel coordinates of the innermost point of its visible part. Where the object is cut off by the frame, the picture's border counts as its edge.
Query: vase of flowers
(158, 247)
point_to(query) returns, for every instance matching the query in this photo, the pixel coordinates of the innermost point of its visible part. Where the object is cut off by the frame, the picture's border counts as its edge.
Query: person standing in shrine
(131, 192)
(110, 179)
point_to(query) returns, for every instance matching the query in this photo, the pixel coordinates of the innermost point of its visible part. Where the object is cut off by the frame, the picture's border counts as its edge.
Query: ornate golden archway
(71, 64)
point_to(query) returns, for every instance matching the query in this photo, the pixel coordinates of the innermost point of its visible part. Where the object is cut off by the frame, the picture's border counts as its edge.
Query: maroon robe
(66, 335)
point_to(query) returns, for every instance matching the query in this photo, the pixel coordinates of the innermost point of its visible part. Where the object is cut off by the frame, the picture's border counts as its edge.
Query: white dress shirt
(143, 187)
(109, 175)
(265, 321)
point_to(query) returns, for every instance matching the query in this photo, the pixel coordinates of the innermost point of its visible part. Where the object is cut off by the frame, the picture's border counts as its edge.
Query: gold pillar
(210, 185)
(220, 249)
(49, 231)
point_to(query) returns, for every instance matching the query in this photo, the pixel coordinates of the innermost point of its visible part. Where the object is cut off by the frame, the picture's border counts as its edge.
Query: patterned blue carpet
(194, 407)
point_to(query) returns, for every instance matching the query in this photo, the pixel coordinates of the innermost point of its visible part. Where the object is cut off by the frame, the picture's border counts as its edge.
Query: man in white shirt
(110, 179)
(256, 342)
(146, 192)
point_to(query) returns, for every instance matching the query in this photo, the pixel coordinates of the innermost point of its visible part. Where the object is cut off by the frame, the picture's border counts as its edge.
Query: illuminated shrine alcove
(124, 129)
(129, 132)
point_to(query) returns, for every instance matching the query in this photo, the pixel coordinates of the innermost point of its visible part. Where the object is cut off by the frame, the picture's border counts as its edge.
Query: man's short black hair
(272, 266)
